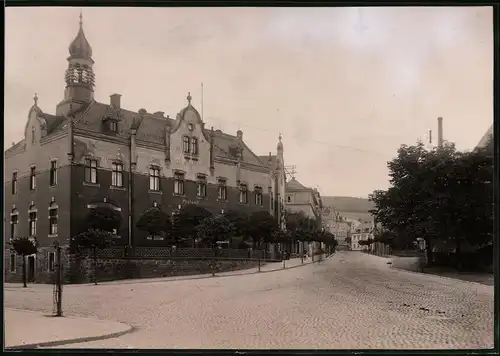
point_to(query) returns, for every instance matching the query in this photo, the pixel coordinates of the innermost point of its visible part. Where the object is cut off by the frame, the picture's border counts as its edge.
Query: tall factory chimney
(440, 132)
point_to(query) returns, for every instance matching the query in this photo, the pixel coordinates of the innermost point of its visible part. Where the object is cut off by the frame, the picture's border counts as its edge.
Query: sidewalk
(264, 268)
(29, 330)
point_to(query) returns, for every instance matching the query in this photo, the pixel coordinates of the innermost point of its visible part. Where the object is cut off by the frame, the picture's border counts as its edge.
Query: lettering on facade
(188, 201)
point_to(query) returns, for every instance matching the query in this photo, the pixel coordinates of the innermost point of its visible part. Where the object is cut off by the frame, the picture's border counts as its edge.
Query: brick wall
(83, 194)
(42, 197)
(42, 272)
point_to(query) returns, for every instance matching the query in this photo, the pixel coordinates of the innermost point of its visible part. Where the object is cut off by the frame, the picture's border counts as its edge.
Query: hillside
(348, 204)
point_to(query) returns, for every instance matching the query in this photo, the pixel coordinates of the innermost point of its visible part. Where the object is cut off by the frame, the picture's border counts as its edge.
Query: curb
(391, 266)
(196, 277)
(69, 341)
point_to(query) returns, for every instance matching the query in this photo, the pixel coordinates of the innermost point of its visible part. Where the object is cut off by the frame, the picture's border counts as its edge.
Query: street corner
(28, 329)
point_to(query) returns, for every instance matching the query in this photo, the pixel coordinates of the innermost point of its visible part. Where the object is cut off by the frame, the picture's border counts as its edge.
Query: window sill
(202, 197)
(95, 185)
(155, 192)
(222, 200)
(241, 203)
(53, 185)
(179, 195)
(53, 235)
(114, 187)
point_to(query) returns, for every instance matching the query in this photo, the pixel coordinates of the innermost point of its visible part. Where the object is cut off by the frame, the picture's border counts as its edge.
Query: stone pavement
(349, 301)
(27, 329)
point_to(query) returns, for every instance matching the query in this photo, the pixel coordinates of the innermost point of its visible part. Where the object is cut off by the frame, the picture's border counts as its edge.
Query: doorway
(31, 269)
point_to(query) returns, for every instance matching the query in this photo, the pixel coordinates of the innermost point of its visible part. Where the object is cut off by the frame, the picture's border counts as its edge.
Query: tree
(239, 223)
(24, 246)
(437, 195)
(261, 229)
(99, 226)
(187, 220)
(156, 222)
(212, 230)
(92, 240)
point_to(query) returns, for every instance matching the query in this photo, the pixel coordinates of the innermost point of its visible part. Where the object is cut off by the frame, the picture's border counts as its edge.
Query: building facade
(300, 198)
(91, 153)
(363, 231)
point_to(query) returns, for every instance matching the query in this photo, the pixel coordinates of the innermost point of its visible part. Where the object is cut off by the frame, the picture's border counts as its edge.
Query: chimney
(239, 134)
(159, 113)
(115, 101)
(430, 136)
(440, 132)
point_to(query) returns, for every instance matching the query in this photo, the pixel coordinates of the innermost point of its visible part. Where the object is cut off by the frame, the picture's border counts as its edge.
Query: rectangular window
(53, 221)
(32, 178)
(201, 187)
(154, 179)
(117, 175)
(32, 223)
(52, 260)
(53, 173)
(14, 183)
(14, 219)
(243, 194)
(91, 171)
(258, 196)
(185, 144)
(179, 183)
(194, 145)
(12, 266)
(113, 126)
(222, 189)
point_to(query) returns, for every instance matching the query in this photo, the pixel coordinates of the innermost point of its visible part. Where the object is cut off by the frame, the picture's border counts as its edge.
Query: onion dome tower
(79, 76)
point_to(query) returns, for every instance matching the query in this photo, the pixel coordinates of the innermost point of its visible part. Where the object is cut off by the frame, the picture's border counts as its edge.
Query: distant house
(363, 231)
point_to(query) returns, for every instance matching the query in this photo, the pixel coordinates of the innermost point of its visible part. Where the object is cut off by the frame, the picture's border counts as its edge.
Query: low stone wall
(406, 263)
(82, 270)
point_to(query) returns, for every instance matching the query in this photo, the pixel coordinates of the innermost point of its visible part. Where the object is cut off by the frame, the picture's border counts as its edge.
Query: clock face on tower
(190, 127)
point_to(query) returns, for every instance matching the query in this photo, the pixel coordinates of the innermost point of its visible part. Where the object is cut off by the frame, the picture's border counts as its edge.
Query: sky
(344, 86)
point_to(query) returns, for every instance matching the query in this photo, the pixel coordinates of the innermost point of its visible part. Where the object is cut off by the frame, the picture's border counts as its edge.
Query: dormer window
(113, 126)
(110, 125)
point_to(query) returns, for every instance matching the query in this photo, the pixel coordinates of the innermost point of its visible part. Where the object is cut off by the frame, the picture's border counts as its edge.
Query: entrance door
(31, 269)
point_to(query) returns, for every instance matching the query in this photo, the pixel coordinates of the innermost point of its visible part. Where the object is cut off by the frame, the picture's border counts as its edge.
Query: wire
(349, 148)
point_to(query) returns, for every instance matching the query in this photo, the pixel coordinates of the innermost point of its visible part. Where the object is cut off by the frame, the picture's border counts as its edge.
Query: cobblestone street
(350, 301)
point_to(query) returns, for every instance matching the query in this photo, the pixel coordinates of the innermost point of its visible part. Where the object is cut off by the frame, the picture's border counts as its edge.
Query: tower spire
(79, 76)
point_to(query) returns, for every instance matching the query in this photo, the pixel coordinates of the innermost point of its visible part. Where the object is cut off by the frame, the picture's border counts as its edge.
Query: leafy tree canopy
(24, 246)
(155, 221)
(262, 227)
(213, 229)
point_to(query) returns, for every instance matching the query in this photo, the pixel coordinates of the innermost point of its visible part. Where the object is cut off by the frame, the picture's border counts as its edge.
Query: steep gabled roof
(294, 184)
(270, 161)
(151, 128)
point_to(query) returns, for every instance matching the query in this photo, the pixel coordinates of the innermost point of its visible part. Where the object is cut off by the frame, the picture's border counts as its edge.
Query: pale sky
(345, 86)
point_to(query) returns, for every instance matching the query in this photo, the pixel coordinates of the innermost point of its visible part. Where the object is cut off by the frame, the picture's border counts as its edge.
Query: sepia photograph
(249, 178)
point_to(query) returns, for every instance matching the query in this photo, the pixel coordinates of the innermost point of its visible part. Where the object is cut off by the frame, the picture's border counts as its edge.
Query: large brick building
(92, 153)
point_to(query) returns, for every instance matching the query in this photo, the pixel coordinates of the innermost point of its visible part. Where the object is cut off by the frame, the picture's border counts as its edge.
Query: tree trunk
(258, 257)
(428, 252)
(24, 272)
(94, 252)
(214, 262)
(458, 257)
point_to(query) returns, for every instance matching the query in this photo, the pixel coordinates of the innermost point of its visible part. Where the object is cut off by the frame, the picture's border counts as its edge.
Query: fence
(180, 253)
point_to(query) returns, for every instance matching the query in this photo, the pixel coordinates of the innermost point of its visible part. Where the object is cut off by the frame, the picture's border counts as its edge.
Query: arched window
(14, 220)
(32, 216)
(53, 217)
